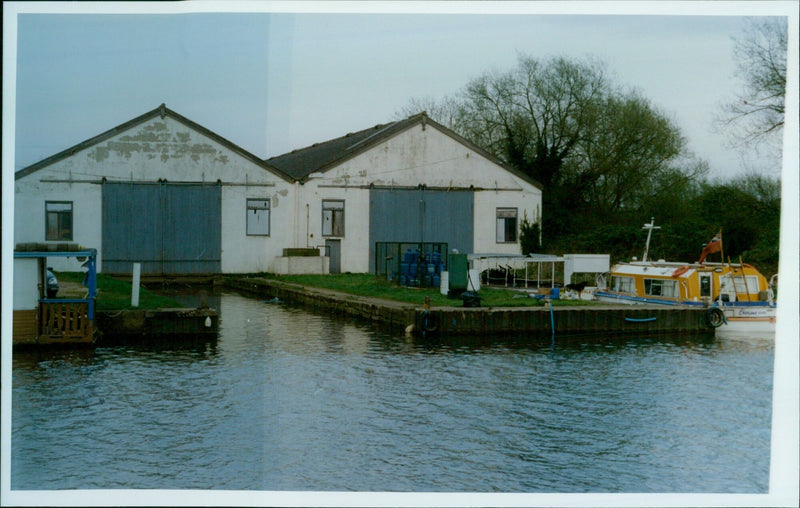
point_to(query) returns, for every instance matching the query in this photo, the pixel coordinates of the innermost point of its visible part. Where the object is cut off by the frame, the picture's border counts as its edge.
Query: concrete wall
(161, 148)
(413, 157)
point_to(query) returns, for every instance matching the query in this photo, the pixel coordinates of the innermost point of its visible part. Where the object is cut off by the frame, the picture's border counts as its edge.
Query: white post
(137, 271)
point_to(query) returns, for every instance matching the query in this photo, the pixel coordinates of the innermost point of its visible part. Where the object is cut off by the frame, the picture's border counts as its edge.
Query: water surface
(290, 400)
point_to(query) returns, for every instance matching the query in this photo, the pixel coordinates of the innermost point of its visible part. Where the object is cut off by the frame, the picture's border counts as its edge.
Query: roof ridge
(383, 128)
(163, 111)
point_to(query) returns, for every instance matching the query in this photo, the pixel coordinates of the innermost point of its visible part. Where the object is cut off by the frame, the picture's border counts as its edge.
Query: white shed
(170, 194)
(163, 191)
(406, 182)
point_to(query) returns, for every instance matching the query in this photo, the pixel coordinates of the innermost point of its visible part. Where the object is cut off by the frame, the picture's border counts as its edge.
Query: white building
(167, 192)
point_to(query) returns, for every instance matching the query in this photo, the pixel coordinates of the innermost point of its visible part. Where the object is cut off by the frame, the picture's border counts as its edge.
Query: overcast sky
(273, 82)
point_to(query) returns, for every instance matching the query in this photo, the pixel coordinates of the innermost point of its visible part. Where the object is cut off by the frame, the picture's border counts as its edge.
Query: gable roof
(163, 112)
(319, 157)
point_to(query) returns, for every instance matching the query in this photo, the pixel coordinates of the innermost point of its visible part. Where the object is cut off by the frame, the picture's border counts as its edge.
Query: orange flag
(715, 245)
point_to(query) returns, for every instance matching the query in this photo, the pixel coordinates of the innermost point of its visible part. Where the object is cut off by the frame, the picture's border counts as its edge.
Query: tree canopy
(608, 160)
(599, 151)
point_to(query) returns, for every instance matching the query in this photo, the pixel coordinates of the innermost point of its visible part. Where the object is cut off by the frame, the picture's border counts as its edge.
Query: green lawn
(114, 294)
(363, 284)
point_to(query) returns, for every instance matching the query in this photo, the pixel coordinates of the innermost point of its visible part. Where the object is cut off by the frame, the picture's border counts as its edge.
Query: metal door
(334, 250)
(168, 228)
(421, 215)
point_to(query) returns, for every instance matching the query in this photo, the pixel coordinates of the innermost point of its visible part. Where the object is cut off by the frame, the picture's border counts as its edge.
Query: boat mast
(649, 227)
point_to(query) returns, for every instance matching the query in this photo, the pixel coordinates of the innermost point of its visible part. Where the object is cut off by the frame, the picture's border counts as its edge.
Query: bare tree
(758, 110)
(597, 150)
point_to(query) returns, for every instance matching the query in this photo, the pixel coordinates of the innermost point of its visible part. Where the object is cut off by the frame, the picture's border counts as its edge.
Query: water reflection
(287, 399)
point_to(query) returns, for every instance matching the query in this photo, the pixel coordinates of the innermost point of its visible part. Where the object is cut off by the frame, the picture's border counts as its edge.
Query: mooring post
(137, 272)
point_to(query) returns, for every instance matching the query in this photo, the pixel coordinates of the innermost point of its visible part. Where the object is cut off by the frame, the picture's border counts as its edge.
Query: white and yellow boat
(738, 297)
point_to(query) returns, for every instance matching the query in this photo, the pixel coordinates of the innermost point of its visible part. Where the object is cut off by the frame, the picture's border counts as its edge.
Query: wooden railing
(65, 321)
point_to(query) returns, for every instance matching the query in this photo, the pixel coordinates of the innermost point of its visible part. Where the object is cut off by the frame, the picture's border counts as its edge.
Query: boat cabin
(41, 314)
(688, 283)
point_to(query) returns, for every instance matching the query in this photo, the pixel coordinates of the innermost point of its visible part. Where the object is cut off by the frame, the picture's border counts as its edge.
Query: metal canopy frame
(90, 254)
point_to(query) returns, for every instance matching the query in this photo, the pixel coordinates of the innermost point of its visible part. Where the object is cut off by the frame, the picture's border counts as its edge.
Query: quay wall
(156, 324)
(393, 314)
(616, 319)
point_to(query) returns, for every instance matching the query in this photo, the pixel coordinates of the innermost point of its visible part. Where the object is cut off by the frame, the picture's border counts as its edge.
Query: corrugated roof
(163, 112)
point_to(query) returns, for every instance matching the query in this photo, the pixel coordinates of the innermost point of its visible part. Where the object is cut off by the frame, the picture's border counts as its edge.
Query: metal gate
(421, 216)
(169, 228)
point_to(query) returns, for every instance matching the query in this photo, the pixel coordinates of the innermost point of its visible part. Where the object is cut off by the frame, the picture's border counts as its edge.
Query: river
(285, 399)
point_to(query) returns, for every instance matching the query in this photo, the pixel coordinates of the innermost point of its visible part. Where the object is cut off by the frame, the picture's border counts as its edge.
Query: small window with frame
(333, 217)
(258, 217)
(58, 220)
(506, 225)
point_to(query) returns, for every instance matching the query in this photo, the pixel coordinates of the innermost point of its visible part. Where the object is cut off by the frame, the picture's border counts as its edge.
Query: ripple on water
(287, 399)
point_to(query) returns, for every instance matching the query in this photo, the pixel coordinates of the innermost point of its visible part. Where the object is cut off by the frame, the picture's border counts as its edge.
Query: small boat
(738, 297)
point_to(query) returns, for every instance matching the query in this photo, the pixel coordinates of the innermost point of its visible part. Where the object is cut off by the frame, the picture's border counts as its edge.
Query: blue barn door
(170, 229)
(421, 215)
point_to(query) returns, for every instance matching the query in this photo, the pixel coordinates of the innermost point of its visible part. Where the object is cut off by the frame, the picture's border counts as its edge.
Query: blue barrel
(436, 281)
(431, 268)
(437, 257)
(412, 269)
(403, 268)
(554, 293)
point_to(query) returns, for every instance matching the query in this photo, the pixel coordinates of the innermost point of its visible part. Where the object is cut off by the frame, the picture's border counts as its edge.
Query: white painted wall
(413, 157)
(164, 148)
(485, 208)
(29, 213)
(161, 148)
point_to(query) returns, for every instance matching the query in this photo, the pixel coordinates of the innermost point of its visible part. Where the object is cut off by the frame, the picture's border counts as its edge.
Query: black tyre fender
(715, 317)
(428, 322)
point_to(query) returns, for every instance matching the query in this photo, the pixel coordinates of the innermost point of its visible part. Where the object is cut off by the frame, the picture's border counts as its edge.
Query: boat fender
(427, 322)
(715, 317)
(680, 271)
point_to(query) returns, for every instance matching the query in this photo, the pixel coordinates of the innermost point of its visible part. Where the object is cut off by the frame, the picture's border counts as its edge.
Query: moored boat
(738, 297)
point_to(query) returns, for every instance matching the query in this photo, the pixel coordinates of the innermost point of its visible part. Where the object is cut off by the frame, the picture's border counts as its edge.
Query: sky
(272, 82)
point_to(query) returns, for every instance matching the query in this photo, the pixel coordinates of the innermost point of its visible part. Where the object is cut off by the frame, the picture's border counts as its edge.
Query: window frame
(666, 288)
(326, 206)
(623, 284)
(505, 219)
(59, 214)
(255, 209)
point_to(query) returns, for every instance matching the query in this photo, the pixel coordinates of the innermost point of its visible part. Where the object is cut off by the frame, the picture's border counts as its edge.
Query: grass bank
(112, 294)
(370, 286)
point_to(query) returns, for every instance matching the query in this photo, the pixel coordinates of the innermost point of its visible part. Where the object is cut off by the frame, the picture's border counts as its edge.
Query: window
(332, 218)
(623, 284)
(258, 217)
(506, 225)
(705, 284)
(746, 287)
(661, 287)
(58, 220)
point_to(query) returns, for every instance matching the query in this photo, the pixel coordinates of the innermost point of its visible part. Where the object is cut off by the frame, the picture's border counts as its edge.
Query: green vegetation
(369, 286)
(608, 159)
(115, 294)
